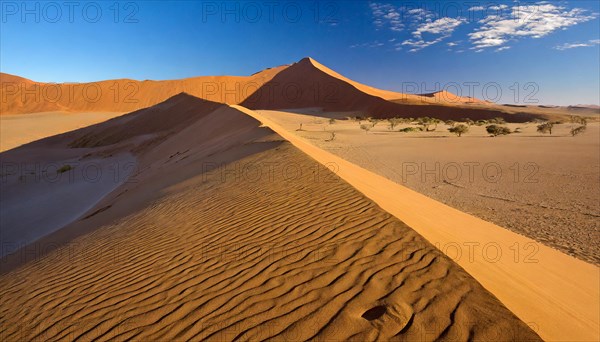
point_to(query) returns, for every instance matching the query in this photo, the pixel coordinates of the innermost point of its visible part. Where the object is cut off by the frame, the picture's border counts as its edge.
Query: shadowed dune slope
(262, 244)
(308, 84)
(304, 84)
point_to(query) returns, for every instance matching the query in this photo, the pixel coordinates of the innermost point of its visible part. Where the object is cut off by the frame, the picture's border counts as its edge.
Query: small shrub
(459, 129)
(578, 130)
(496, 130)
(393, 122)
(411, 129)
(331, 121)
(64, 169)
(426, 122)
(366, 127)
(582, 120)
(545, 127)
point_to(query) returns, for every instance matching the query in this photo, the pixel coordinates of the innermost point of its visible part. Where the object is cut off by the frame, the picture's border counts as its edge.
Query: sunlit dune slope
(304, 84)
(20, 95)
(225, 231)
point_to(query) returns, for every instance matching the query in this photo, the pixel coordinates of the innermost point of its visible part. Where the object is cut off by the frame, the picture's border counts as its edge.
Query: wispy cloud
(476, 8)
(502, 48)
(567, 46)
(533, 21)
(367, 45)
(443, 28)
(386, 15)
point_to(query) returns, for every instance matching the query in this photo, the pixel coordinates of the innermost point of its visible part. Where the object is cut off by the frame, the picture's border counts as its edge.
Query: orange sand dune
(556, 293)
(304, 84)
(225, 231)
(441, 97)
(308, 84)
(20, 95)
(445, 96)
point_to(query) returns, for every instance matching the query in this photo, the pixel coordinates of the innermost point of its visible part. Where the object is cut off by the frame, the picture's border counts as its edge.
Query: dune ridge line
(558, 294)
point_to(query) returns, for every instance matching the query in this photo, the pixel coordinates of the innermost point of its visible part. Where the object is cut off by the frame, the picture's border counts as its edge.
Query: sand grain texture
(557, 293)
(191, 253)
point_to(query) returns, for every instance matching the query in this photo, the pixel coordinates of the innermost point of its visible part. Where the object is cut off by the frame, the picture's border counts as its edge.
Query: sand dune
(20, 95)
(304, 84)
(555, 292)
(308, 84)
(225, 231)
(445, 96)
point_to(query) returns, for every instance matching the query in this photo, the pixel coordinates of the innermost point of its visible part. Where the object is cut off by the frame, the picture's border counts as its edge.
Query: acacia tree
(426, 122)
(366, 127)
(393, 122)
(546, 127)
(496, 130)
(459, 129)
(577, 130)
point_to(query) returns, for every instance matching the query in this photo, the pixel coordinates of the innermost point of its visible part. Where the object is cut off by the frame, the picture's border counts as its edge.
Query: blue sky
(548, 51)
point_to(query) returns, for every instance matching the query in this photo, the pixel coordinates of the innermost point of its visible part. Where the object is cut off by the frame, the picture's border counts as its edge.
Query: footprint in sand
(388, 319)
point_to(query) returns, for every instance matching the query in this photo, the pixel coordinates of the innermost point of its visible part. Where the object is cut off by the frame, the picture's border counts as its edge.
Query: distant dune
(304, 84)
(225, 231)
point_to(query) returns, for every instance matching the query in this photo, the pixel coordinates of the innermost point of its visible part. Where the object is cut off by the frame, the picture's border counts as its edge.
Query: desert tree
(467, 121)
(426, 122)
(393, 122)
(546, 127)
(331, 121)
(300, 128)
(366, 127)
(577, 130)
(582, 120)
(496, 130)
(459, 129)
(450, 123)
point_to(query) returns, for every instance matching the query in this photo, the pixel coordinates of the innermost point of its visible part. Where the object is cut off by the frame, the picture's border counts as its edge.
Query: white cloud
(502, 48)
(386, 15)
(567, 46)
(367, 45)
(533, 21)
(452, 44)
(443, 27)
(476, 8)
(497, 8)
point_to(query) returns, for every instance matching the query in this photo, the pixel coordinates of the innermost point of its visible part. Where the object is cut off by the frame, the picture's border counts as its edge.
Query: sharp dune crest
(182, 251)
(305, 84)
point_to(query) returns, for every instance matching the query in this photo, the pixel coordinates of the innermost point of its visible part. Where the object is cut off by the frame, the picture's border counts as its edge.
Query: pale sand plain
(19, 129)
(539, 185)
(554, 291)
(181, 251)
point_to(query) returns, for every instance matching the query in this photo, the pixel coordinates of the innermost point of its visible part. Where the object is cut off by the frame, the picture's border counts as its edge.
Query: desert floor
(268, 245)
(19, 129)
(542, 186)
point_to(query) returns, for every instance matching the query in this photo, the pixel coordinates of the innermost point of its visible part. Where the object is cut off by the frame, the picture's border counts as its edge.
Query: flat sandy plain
(19, 129)
(541, 186)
